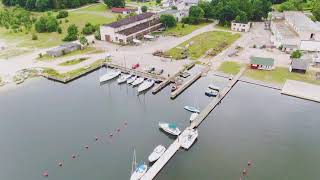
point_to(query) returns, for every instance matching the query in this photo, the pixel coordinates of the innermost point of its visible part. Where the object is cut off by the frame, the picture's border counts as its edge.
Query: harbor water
(43, 123)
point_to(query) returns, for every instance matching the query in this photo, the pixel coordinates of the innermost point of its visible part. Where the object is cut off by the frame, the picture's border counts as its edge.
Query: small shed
(299, 66)
(63, 49)
(261, 63)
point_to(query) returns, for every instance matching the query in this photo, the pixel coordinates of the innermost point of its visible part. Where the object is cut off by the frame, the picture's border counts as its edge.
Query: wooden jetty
(136, 72)
(167, 81)
(174, 147)
(184, 86)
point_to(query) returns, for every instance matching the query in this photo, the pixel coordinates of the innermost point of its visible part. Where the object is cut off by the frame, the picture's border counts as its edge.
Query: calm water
(45, 122)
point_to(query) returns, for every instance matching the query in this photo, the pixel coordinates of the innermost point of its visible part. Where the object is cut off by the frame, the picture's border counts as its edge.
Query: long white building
(125, 30)
(294, 30)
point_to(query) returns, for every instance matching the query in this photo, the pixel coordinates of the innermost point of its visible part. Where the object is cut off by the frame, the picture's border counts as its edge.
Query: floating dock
(301, 90)
(174, 147)
(166, 82)
(175, 93)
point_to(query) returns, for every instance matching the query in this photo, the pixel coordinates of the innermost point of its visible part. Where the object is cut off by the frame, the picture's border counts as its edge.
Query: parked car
(135, 66)
(159, 72)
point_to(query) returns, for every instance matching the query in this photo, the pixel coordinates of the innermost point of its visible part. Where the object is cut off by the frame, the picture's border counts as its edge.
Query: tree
(40, 24)
(261, 9)
(296, 54)
(72, 33)
(52, 24)
(42, 5)
(97, 34)
(30, 4)
(242, 17)
(83, 41)
(62, 14)
(119, 17)
(144, 9)
(115, 3)
(196, 12)
(46, 24)
(88, 29)
(158, 1)
(168, 20)
(316, 10)
(287, 6)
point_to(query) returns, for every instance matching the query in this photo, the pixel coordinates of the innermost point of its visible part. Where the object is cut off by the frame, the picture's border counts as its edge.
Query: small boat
(110, 75)
(137, 171)
(193, 116)
(146, 85)
(170, 128)
(131, 79)
(211, 93)
(213, 87)
(157, 153)
(173, 88)
(138, 81)
(187, 138)
(123, 78)
(192, 109)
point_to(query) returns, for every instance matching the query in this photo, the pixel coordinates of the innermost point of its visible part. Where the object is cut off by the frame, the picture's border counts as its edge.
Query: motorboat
(111, 74)
(192, 109)
(131, 79)
(146, 85)
(157, 153)
(213, 87)
(187, 137)
(193, 116)
(170, 128)
(139, 172)
(123, 78)
(138, 81)
(211, 93)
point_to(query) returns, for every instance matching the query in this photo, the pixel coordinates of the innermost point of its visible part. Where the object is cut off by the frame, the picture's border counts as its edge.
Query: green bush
(168, 20)
(62, 14)
(88, 29)
(34, 36)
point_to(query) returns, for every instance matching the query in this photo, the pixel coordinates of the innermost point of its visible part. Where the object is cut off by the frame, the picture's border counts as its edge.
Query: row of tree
(42, 5)
(241, 10)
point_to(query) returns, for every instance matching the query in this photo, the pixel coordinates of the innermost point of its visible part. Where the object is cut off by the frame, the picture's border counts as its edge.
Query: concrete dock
(185, 85)
(301, 90)
(174, 147)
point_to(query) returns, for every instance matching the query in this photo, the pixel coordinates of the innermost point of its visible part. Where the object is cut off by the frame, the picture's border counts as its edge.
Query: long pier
(174, 147)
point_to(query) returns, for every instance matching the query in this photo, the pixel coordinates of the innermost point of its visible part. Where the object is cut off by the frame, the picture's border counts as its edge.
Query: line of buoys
(74, 156)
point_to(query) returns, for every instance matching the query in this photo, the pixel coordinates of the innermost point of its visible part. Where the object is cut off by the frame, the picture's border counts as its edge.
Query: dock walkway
(302, 90)
(174, 147)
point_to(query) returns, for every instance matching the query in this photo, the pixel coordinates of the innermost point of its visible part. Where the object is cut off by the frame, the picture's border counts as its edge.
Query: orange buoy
(45, 174)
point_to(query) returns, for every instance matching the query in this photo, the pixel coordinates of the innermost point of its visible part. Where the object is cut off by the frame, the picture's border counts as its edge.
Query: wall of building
(240, 27)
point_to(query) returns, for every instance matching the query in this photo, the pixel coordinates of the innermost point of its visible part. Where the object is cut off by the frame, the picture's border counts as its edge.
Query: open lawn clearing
(73, 61)
(182, 30)
(230, 67)
(280, 74)
(215, 41)
(226, 28)
(88, 50)
(151, 3)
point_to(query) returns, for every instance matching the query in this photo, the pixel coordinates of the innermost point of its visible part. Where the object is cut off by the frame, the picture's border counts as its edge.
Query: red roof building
(122, 10)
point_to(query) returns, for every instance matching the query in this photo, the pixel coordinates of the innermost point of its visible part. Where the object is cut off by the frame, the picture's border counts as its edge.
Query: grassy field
(279, 75)
(73, 62)
(230, 67)
(227, 28)
(136, 3)
(215, 41)
(180, 31)
(88, 50)
(96, 14)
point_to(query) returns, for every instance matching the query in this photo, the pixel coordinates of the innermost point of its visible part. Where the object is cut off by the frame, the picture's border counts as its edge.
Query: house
(63, 49)
(240, 27)
(295, 30)
(261, 63)
(126, 30)
(175, 13)
(298, 65)
(122, 10)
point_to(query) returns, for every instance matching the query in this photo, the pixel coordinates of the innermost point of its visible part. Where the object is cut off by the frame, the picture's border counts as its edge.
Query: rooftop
(301, 21)
(130, 20)
(169, 11)
(139, 27)
(299, 64)
(121, 10)
(262, 61)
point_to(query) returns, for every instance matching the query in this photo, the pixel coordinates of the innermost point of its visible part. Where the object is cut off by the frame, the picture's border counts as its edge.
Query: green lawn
(215, 41)
(151, 3)
(73, 62)
(88, 50)
(96, 14)
(279, 75)
(230, 67)
(227, 28)
(180, 31)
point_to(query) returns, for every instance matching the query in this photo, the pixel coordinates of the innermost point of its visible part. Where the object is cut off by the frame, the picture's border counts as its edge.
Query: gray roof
(169, 11)
(301, 21)
(64, 46)
(262, 61)
(130, 20)
(191, 1)
(299, 64)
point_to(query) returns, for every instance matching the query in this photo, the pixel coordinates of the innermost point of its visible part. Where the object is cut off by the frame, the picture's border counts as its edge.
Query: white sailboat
(157, 153)
(138, 81)
(137, 171)
(146, 85)
(170, 128)
(109, 75)
(193, 116)
(131, 79)
(123, 78)
(187, 138)
(192, 109)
